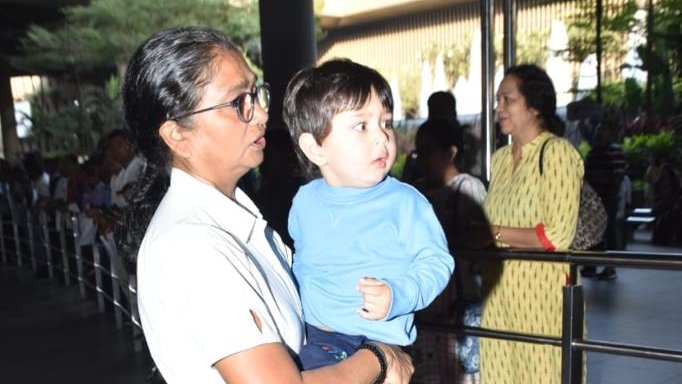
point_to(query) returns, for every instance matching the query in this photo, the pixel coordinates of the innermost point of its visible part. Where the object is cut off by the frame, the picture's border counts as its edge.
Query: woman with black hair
(528, 208)
(216, 297)
(443, 158)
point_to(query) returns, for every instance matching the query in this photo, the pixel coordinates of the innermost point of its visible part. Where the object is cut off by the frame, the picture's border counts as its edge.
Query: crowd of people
(97, 187)
(315, 272)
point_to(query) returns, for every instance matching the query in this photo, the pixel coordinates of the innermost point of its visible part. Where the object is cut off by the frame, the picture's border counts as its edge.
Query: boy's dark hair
(315, 95)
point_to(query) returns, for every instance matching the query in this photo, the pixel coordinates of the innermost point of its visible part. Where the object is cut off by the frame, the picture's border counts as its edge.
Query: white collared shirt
(206, 266)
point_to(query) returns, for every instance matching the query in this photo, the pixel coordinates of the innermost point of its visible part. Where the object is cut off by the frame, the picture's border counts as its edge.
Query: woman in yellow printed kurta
(529, 210)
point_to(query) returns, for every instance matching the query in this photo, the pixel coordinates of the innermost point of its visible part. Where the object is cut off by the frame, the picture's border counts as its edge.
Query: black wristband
(382, 361)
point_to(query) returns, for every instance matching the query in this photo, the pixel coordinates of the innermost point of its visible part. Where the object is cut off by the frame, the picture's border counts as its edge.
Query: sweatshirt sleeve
(431, 267)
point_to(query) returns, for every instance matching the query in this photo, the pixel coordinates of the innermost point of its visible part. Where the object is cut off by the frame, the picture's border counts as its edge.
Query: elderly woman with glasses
(216, 297)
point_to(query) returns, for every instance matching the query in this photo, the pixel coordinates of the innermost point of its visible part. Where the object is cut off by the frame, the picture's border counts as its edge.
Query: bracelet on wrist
(382, 361)
(498, 235)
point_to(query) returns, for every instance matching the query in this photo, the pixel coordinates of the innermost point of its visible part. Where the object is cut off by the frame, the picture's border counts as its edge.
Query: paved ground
(49, 334)
(639, 307)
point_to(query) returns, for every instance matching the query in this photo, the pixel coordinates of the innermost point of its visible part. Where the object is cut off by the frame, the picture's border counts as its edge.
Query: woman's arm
(561, 184)
(560, 189)
(271, 363)
(516, 237)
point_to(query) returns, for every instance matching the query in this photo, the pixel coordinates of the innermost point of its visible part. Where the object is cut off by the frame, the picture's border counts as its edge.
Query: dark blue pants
(326, 348)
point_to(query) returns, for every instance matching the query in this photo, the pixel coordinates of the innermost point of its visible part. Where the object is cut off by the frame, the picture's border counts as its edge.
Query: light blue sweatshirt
(388, 232)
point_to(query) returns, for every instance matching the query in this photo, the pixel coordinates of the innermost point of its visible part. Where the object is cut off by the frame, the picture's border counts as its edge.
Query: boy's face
(360, 148)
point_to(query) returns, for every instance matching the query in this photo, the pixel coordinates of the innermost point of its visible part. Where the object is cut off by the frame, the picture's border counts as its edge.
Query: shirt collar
(538, 140)
(238, 216)
(349, 194)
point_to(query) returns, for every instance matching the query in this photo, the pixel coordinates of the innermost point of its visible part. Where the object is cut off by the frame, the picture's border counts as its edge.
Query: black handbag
(591, 215)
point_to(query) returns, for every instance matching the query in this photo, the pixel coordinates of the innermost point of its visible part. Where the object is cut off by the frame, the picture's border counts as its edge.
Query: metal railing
(49, 241)
(572, 342)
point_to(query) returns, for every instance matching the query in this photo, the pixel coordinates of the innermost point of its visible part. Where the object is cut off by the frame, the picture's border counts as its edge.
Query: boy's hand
(376, 298)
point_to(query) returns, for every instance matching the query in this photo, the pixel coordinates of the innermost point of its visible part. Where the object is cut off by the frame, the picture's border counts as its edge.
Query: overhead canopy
(342, 13)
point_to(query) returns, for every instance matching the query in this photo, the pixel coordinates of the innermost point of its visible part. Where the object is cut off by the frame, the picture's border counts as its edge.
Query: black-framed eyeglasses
(244, 104)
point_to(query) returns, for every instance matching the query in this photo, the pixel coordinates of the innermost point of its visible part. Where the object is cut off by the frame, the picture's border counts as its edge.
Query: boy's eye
(387, 124)
(359, 127)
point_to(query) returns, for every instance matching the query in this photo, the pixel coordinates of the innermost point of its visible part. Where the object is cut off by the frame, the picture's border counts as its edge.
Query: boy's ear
(453, 152)
(312, 150)
(176, 138)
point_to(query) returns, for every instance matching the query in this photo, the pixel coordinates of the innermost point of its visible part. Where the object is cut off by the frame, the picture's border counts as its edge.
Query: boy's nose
(381, 137)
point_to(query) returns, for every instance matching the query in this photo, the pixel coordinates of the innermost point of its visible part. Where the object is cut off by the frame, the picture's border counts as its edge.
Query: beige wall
(396, 46)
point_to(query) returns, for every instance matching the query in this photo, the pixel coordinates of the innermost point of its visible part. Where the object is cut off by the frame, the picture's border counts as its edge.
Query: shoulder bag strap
(542, 153)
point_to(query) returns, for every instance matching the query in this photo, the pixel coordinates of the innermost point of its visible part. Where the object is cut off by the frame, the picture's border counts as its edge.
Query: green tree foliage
(663, 61)
(623, 95)
(78, 126)
(94, 45)
(408, 84)
(318, 6)
(456, 61)
(62, 51)
(531, 47)
(103, 34)
(642, 148)
(455, 58)
(668, 32)
(617, 21)
(632, 97)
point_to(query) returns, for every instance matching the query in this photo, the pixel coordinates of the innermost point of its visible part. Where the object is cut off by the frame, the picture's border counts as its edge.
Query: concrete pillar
(288, 45)
(11, 148)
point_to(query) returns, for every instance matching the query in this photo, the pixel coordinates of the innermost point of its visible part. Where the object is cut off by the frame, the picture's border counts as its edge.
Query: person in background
(651, 175)
(39, 191)
(68, 183)
(457, 198)
(126, 166)
(527, 209)
(369, 251)
(624, 204)
(122, 151)
(216, 297)
(605, 166)
(442, 105)
(667, 203)
(96, 198)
